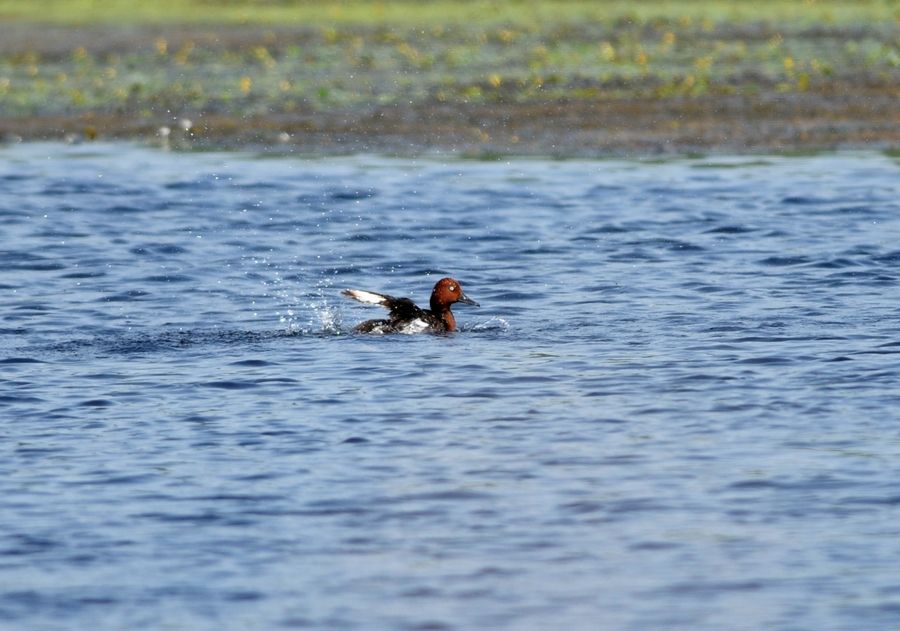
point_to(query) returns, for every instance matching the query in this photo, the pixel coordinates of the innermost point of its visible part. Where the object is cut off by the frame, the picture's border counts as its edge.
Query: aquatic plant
(249, 58)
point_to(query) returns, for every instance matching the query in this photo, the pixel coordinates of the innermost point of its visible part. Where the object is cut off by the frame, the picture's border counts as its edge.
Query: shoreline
(574, 128)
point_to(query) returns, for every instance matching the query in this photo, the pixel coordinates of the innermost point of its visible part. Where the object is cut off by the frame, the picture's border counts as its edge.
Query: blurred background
(560, 77)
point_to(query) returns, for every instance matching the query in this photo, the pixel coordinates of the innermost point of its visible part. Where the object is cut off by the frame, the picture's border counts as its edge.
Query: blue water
(678, 406)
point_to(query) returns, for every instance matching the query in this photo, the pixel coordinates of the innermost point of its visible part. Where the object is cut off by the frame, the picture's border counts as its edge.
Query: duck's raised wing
(369, 297)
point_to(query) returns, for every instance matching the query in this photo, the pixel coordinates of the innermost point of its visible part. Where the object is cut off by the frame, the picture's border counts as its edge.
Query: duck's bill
(468, 301)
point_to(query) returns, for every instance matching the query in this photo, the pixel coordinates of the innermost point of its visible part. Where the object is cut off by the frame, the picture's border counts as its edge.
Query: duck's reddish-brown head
(446, 292)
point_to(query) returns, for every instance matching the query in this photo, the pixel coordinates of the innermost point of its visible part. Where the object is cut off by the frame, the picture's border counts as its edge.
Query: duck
(407, 317)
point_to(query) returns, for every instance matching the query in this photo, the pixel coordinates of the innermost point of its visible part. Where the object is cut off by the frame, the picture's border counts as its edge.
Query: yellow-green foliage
(522, 13)
(301, 55)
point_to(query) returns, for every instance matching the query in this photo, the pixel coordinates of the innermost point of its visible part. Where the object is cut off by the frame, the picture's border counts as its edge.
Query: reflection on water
(675, 408)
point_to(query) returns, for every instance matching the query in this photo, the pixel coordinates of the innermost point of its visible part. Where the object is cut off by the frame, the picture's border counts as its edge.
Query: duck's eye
(452, 288)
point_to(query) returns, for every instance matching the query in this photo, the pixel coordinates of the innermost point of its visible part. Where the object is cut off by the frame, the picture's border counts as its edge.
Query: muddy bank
(769, 122)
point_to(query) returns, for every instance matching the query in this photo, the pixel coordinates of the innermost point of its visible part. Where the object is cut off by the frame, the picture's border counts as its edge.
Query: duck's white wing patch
(414, 326)
(366, 297)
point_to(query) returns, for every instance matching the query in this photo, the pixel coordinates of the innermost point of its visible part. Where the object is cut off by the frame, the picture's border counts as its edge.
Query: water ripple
(677, 366)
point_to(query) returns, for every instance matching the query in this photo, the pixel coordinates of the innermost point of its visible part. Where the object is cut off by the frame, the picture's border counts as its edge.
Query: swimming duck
(406, 317)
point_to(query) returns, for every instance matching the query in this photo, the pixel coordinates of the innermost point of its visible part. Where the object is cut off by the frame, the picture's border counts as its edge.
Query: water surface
(676, 407)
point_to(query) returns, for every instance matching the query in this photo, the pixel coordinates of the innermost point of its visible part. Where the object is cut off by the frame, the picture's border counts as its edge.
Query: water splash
(493, 324)
(324, 317)
(329, 317)
(309, 312)
(288, 322)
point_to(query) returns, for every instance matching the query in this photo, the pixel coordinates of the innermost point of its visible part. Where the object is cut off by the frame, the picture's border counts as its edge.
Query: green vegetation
(432, 13)
(255, 58)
